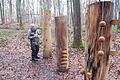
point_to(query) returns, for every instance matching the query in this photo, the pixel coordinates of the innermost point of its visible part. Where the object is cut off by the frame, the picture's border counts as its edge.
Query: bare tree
(2, 11)
(18, 10)
(77, 24)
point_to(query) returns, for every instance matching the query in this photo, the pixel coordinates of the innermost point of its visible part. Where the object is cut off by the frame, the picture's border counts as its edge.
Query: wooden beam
(47, 34)
(62, 43)
(98, 40)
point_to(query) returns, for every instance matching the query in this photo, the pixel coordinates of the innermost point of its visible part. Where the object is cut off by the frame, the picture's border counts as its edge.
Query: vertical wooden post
(62, 43)
(47, 34)
(97, 59)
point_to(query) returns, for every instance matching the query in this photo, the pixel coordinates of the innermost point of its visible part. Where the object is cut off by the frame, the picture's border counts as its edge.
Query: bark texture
(77, 42)
(96, 66)
(62, 43)
(47, 34)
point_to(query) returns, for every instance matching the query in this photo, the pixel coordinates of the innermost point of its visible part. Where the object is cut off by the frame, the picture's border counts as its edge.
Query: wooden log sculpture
(98, 40)
(62, 43)
(47, 34)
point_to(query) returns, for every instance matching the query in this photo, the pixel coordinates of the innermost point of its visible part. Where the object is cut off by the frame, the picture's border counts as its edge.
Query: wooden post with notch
(62, 43)
(96, 61)
(47, 34)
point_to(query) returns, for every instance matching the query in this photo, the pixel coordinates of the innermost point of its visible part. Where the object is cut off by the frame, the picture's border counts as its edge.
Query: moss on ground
(78, 45)
(118, 29)
(6, 34)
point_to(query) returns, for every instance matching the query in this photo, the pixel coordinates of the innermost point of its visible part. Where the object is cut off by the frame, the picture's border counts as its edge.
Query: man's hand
(31, 37)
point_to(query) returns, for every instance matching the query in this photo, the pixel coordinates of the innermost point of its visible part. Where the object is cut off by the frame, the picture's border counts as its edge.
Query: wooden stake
(47, 34)
(98, 71)
(62, 43)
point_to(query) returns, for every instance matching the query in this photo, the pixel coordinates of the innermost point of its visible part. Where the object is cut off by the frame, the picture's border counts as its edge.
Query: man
(34, 41)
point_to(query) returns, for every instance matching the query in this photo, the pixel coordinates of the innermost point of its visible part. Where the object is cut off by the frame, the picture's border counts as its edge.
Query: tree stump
(47, 34)
(98, 45)
(62, 43)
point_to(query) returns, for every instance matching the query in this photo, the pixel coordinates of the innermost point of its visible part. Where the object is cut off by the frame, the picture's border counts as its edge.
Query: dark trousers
(35, 50)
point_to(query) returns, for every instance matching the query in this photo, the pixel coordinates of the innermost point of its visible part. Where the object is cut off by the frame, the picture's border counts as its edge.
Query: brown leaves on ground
(15, 63)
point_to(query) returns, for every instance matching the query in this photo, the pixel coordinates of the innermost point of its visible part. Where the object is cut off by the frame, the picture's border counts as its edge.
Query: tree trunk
(18, 10)
(56, 8)
(2, 11)
(10, 5)
(59, 6)
(69, 21)
(20, 14)
(77, 24)
(96, 66)
(47, 34)
(23, 11)
(62, 43)
(118, 26)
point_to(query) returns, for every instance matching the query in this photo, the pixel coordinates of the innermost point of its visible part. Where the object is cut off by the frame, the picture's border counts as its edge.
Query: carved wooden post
(62, 43)
(47, 34)
(98, 40)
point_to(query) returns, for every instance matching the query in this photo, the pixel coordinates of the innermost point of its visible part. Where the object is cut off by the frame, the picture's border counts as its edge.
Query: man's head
(33, 27)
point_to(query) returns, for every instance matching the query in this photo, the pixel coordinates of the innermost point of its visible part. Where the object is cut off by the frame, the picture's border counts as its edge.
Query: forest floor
(15, 64)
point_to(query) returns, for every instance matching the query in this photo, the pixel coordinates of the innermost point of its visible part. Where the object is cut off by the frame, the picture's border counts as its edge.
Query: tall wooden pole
(47, 34)
(62, 43)
(98, 40)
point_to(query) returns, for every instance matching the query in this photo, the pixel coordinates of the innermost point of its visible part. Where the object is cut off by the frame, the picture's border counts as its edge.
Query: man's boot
(33, 57)
(37, 50)
(37, 57)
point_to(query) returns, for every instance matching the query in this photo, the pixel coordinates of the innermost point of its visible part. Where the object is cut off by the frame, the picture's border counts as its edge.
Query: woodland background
(15, 53)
